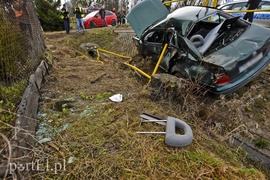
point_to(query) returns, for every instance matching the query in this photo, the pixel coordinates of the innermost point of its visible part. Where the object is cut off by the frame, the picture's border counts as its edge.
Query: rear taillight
(222, 79)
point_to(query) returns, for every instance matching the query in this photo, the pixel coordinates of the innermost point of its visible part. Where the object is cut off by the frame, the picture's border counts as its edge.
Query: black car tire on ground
(113, 22)
(93, 24)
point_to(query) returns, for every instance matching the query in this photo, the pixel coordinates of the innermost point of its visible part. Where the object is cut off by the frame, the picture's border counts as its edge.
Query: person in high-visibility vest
(65, 17)
(78, 11)
(167, 4)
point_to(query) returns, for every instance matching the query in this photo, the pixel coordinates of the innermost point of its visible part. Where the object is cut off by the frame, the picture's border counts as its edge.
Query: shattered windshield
(181, 26)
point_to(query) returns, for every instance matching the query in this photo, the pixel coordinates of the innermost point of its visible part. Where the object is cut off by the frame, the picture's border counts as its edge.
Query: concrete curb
(22, 138)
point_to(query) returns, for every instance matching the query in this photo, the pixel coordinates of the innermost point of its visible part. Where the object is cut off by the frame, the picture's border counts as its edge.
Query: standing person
(114, 10)
(79, 15)
(102, 14)
(119, 17)
(123, 16)
(251, 5)
(65, 16)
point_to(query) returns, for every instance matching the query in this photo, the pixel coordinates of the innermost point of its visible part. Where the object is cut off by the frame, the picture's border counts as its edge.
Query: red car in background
(93, 19)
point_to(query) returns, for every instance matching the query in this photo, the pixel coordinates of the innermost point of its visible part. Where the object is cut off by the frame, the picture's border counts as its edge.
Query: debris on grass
(100, 140)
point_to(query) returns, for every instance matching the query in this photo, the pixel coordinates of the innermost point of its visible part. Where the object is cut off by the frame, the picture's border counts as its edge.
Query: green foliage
(260, 103)
(84, 96)
(103, 95)
(9, 99)
(49, 15)
(12, 93)
(250, 172)
(203, 158)
(262, 143)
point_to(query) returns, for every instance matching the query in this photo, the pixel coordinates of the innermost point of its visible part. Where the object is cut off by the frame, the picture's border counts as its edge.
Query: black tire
(113, 22)
(93, 24)
(179, 71)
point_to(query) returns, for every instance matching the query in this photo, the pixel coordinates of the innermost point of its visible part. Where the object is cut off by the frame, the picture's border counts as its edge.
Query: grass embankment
(97, 137)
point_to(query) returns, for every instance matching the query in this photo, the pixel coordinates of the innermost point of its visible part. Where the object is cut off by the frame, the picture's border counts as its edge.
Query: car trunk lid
(242, 53)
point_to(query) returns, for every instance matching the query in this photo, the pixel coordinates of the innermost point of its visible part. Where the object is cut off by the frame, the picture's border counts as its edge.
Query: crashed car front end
(232, 54)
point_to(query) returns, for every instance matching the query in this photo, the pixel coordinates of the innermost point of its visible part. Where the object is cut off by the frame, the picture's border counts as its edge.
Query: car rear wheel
(113, 22)
(179, 71)
(93, 24)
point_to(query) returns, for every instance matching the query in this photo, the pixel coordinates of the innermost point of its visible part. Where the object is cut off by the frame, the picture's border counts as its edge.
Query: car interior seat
(197, 40)
(203, 44)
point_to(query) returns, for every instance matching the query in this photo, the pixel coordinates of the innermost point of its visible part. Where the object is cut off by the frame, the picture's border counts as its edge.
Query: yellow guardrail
(173, 1)
(139, 70)
(130, 59)
(256, 10)
(115, 54)
(160, 58)
(210, 3)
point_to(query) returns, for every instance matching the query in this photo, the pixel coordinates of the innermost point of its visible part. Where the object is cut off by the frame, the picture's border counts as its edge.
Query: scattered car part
(153, 118)
(171, 138)
(116, 98)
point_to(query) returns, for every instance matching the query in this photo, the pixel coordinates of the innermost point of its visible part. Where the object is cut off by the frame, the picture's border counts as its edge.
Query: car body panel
(238, 50)
(243, 79)
(190, 15)
(140, 22)
(261, 18)
(232, 54)
(95, 17)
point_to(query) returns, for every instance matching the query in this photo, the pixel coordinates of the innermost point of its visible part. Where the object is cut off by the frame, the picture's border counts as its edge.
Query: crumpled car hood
(139, 18)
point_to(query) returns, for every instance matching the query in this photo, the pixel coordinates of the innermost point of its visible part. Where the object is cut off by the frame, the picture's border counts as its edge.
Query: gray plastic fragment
(177, 140)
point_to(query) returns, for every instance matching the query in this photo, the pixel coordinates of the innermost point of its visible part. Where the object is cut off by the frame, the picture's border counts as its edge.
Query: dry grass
(98, 137)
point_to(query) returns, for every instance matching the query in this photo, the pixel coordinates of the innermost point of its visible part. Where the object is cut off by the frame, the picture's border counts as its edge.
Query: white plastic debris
(44, 140)
(116, 98)
(71, 159)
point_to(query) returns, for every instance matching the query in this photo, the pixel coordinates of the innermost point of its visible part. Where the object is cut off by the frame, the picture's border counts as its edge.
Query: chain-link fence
(21, 41)
(21, 50)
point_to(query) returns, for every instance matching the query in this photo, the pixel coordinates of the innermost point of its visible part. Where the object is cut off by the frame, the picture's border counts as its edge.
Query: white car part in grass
(171, 138)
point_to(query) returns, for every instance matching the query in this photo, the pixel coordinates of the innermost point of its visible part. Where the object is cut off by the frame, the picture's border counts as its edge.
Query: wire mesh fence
(21, 50)
(21, 41)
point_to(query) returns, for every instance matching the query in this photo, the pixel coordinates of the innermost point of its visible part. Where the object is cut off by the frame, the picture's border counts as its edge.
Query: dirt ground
(76, 105)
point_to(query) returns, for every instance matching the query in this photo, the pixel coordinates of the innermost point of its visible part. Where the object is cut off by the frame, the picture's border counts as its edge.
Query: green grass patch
(10, 97)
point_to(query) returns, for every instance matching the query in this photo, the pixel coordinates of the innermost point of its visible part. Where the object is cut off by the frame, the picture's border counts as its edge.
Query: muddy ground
(79, 86)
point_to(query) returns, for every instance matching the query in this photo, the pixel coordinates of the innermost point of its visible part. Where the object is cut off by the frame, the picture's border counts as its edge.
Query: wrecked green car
(222, 52)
